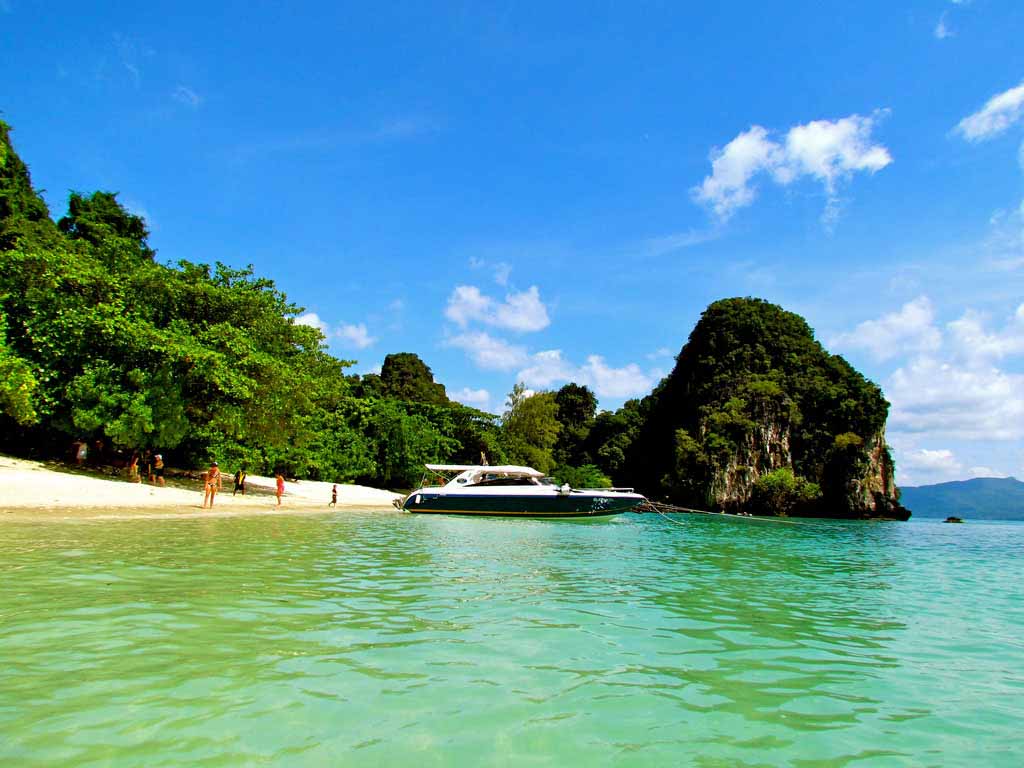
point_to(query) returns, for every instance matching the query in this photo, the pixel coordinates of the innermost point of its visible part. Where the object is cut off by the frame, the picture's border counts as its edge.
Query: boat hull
(513, 505)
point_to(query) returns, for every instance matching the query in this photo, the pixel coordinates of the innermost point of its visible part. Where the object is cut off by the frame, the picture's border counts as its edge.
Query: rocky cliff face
(762, 450)
(874, 493)
(868, 493)
(753, 392)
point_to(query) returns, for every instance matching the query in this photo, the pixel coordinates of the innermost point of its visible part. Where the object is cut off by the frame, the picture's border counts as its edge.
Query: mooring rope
(662, 509)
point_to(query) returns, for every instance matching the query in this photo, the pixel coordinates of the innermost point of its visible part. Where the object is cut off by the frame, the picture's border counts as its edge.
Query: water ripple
(376, 639)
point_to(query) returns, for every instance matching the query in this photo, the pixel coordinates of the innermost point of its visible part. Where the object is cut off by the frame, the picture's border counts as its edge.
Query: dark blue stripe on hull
(519, 506)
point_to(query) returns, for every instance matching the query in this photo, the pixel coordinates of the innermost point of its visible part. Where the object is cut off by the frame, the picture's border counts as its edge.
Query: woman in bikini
(212, 484)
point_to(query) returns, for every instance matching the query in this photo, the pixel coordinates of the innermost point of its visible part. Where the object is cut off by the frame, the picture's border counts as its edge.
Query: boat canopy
(498, 470)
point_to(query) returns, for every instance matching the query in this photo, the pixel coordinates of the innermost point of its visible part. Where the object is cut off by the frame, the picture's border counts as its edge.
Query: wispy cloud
(828, 151)
(942, 29)
(408, 127)
(130, 55)
(489, 352)
(662, 246)
(500, 270)
(186, 96)
(326, 139)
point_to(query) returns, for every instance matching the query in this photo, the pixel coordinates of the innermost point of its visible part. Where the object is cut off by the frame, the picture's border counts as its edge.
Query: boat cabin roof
(497, 470)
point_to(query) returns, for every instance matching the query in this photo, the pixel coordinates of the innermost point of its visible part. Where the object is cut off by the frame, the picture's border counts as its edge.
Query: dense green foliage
(102, 343)
(750, 366)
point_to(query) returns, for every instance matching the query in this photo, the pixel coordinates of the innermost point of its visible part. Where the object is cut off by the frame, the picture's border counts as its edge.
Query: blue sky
(550, 192)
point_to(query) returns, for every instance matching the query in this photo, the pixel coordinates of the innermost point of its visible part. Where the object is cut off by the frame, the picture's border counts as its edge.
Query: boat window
(492, 481)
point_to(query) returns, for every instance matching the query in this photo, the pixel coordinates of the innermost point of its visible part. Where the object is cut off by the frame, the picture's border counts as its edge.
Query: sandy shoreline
(34, 491)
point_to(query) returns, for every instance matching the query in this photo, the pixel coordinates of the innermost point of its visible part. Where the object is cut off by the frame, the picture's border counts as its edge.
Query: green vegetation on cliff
(753, 393)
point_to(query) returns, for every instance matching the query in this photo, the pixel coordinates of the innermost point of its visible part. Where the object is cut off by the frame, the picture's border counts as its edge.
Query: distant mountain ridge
(981, 498)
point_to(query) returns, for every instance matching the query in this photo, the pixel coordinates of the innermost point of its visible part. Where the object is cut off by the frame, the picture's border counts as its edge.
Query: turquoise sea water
(384, 639)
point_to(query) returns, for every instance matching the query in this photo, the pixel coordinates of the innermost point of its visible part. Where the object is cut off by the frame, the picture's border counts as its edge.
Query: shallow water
(386, 639)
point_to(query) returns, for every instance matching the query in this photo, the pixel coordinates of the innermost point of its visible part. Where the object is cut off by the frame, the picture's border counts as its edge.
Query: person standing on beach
(239, 482)
(211, 484)
(280, 486)
(158, 470)
(334, 497)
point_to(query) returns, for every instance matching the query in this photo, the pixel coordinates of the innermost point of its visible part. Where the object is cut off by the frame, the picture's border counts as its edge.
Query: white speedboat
(508, 491)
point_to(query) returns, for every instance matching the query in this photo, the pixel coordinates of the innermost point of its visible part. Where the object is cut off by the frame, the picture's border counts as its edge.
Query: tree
(781, 493)
(403, 376)
(530, 428)
(17, 383)
(22, 210)
(104, 223)
(576, 406)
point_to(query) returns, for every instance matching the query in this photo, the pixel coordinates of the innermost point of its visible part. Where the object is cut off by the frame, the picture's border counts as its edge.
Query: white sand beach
(32, 490)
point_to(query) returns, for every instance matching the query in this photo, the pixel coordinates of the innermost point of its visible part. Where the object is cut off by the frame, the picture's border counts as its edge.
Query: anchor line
(663, 509)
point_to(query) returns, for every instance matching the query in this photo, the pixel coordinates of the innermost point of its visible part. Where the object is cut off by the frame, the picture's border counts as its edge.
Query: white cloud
(999, 113)
(941, 30)
(467, 303)
(490, 352)
(627, 381)
(940, 461)
(549, 368)
(355, 335)
(829, 151)
(521, 312)
(941, 398)
(312, 319)
(732, 168)
(909, 330)
(475, 398)
(972, 341)
(659, 353)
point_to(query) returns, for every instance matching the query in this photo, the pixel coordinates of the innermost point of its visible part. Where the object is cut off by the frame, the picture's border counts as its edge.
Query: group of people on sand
(213, 480)
(152, 466)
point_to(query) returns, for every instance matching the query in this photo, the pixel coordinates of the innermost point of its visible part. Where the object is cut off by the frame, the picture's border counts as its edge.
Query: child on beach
(280, 487)
(158, 470)
(239, 482)
(211, 484)
(334, 497)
